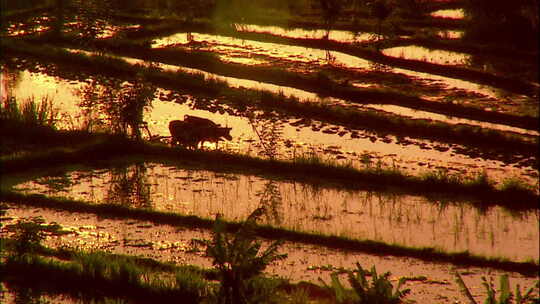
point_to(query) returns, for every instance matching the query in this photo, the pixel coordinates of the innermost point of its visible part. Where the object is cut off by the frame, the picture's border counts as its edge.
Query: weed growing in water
(270, 132)
(380, 291)
(505, 295)
(29, 112)
(239, 263)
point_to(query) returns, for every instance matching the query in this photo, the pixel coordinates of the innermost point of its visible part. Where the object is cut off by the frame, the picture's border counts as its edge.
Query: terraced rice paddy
(311, 102)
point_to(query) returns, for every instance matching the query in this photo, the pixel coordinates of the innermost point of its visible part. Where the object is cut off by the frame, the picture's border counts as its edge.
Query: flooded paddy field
(422, 91)
(304, 262)
(393, 218)
(297, 136)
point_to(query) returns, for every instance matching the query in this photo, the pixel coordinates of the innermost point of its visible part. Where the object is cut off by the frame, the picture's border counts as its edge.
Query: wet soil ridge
(119, 147)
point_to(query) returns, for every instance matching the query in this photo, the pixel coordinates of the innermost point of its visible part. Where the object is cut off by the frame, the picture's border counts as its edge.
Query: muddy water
(297, 137)
(304, 262)
(381, 216)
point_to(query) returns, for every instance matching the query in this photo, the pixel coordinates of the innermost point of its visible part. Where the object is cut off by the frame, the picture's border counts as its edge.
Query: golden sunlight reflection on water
(381, 216)
(228, 47)
(424, 54)
(457, 13)
(336, 35)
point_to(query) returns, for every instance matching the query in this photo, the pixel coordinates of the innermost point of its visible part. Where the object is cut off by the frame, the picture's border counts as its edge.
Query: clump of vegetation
(29, 112)
(505, 295)
(269, 130)
(28, 235)
(239, 263)
(379, 291)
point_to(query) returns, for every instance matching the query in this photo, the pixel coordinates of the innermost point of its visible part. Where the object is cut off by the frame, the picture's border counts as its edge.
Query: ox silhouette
(194, 130)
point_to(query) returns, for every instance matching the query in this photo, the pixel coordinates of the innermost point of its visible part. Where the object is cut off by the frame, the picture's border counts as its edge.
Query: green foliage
(238, 261)
(190, 282)
(514, 185)
(505, 294)
(379, 291)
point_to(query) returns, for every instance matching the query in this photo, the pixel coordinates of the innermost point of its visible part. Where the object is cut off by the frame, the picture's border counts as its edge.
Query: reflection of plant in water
(115, 105)
(269, 130)
(130, 187)
(331, 10)
(56, 184)
(270, 200)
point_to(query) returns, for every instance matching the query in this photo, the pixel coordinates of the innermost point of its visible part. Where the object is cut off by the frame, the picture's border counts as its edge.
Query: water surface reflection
(382, 216)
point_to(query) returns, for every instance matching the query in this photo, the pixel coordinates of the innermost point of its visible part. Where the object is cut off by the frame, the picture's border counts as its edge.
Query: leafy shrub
(238, 261)
(379, 291)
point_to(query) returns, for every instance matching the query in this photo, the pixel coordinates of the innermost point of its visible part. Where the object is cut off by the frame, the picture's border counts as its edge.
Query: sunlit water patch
(231, 49)
(457, 13)
(418, 114)
(336, 35)
(381, 216)
(424, 54)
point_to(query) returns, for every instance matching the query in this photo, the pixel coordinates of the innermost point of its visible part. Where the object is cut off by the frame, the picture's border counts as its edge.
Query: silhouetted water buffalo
(194, 130)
